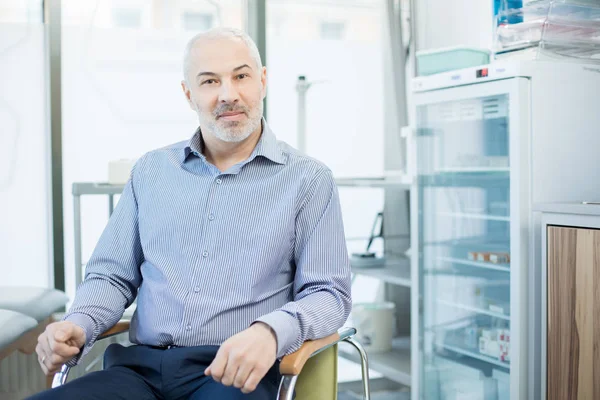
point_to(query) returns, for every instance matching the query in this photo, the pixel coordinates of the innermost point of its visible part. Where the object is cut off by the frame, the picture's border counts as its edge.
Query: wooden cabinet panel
(573, 353)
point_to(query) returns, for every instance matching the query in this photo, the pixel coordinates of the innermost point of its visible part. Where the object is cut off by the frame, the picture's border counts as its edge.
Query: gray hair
(220, 33)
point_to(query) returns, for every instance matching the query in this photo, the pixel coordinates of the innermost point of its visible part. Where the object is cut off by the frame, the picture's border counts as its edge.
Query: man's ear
(263, 80)
(188, 95)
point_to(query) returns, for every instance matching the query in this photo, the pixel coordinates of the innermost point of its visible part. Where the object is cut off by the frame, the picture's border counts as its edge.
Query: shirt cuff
(286, 330)
(89, 327)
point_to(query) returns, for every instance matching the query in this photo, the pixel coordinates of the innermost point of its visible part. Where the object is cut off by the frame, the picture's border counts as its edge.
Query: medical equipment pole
(302, 87)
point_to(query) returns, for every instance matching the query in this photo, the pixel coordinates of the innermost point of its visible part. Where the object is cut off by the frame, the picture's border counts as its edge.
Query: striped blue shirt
(208, 253)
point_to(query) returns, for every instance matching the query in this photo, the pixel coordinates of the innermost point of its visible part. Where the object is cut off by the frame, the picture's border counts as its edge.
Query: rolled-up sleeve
(322, 283)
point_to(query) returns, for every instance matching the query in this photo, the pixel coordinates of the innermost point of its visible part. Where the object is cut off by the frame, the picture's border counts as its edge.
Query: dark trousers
(143, 372)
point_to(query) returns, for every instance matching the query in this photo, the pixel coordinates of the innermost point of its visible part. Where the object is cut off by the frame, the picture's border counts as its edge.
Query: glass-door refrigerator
(480, 156)
(464, 199)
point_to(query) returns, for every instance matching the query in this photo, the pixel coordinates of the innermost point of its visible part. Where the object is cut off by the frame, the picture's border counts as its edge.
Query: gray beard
(234, 133)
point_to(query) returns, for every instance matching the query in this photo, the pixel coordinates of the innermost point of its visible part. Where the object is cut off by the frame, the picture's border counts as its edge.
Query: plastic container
(523, 34)
(374, 324)
(566, 30)
(500, 8)
(436, 61)
(571, 33)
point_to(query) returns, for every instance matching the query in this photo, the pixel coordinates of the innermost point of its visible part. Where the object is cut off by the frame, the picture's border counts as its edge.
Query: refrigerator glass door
(463, 183)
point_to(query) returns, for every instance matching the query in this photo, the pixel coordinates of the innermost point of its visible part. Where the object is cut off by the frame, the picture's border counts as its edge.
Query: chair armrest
(292, 364)
(119, 327)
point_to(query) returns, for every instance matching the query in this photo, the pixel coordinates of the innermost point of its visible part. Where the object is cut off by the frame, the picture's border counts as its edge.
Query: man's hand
(60, 342)
(244, 359)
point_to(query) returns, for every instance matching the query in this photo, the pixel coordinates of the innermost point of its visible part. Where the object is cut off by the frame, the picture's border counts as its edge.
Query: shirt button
(205, 254)
(219, 181)
(188, 327)
(211, 217)
(196, 289)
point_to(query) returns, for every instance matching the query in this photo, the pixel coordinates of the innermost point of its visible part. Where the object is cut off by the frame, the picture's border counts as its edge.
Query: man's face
(226, 88)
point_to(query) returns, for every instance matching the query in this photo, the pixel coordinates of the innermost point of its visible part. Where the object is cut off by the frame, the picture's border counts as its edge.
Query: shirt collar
(267, 146)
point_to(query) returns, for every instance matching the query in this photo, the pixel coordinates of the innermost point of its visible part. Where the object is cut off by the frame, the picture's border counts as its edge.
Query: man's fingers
(217, 367)
(54, 346)
(65, 350)
(68, 333)
(252, 381)
(242, 375)
(42, 358)
(53, 355)
(41, 354)
(45, 349)
(44, 369)
(63, 334)
(233, 364)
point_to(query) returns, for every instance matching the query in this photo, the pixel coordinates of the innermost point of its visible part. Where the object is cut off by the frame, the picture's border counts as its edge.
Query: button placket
(211, 217)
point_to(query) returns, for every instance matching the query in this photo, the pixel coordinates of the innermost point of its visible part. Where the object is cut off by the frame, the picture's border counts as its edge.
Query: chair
(311, 370)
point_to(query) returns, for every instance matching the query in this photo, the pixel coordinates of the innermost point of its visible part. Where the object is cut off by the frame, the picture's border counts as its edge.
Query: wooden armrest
(292, 364)
(119, 327)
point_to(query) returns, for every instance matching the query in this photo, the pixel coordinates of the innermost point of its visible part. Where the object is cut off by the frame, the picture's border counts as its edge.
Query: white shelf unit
(400, 182)
(395, 364)
(396, 272)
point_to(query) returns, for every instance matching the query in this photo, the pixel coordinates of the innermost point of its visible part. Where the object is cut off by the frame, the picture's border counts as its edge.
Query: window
(21, 11)
(353, 63)
(195, 21)
(332, 30)
(344, 130)
(338, 46)
(121, 91)
(25, 219)
(126, 18)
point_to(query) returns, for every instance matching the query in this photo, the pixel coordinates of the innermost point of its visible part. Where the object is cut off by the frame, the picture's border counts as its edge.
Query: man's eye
(209, 82)
(242, 76)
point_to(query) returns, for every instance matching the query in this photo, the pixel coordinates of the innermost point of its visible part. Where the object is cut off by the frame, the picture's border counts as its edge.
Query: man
(232, 241)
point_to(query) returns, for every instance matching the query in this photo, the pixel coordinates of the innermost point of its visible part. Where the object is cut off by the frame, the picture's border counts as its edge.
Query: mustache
(229, 108)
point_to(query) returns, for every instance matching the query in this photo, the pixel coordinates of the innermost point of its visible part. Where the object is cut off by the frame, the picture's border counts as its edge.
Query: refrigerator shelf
(488, 217)
(474, 309)
(479, 264)
(477, 356)
(474, 178)
(454, 341)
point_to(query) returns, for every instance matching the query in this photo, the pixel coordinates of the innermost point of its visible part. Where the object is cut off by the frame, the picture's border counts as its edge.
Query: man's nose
(229, 93)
